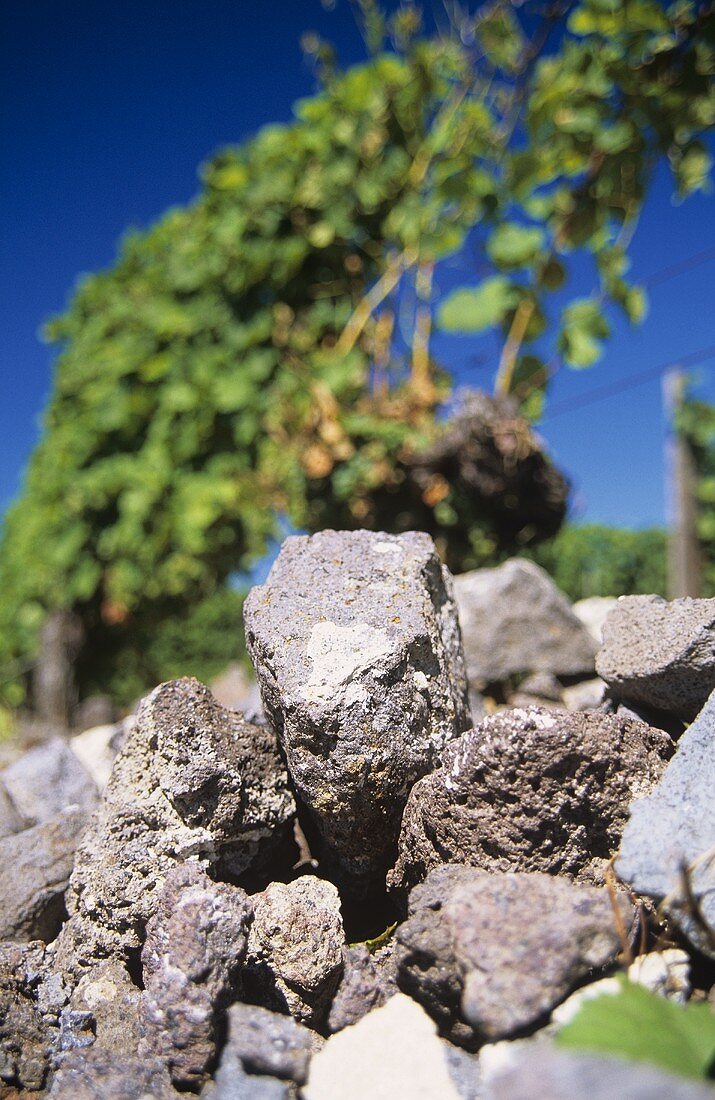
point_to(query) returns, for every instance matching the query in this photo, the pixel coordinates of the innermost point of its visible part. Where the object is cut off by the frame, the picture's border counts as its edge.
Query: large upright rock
(356, 645)
(515, 620)
(192, 781)
(668, 848)
(530, 790)
(660, 654)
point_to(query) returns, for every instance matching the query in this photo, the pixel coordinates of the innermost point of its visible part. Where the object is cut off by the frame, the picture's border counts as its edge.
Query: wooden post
(684, 555)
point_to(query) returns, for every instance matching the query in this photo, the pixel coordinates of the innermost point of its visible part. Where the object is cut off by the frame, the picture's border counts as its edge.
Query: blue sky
(106, 112)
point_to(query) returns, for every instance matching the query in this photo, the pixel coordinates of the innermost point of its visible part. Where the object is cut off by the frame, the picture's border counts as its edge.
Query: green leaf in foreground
(645, 1027)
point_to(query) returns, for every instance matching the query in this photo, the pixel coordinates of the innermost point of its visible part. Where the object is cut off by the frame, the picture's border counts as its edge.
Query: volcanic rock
(35, 867)
(356, 646)
(668, 847)
(368, 982)
(195, 942)
(192, 781)
(660, 654)
(295, 947)
(46, 780)
(515, 620)
(489, 955)
(530, 790)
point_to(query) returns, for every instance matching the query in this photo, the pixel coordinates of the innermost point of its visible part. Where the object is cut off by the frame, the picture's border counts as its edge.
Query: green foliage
(641, 1026)
(592, 560)
(241, 361)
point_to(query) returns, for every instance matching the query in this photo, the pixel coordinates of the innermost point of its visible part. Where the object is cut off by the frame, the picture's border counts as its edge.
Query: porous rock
(35, 867)
(660, 653)
(97, 1073)
(515, 620)
(530, 790)
(540, 1071)
(96, 748)
(46, 780)
(669, 840)
(193, 781)
(24, 1037)
(356, 646)
(195, 942)
(489, 955)
(368, 981)
(392, 1052)
(295, 948)
(107, 995)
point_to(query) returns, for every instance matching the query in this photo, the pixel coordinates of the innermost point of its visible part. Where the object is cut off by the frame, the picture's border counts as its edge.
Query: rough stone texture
(515, 620)
(491, 954)
(192, 781)
(660, 654)
(48, 779)
(24, 1038)
(368, 981)
(194, 945)
(540, 1071)
(111, 999)
(35, 867)
(674, 828)
(295, 948)
(356, 646)
(392, 1052)
(593, 612)
(270, 1044)
(530, 790)
(95, 1073)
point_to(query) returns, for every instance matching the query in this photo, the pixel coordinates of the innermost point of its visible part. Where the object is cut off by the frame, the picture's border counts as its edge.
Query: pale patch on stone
(339, 653)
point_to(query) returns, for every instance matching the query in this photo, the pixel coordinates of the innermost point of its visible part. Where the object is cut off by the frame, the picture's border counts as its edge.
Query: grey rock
(35, 867)
(368, 981)
(232, 1082)
(48, 779)
(489, 955)
(530, 790)
(540, 1071)
(392, 1052)
(95, 1073)
(295, 948)
(660, 654)
(10, 820)
(195, 942)
(593, 612)
(25, 1041)
(356, 646)
(270, 1044)
(192, 781)
(515, 620)
(673, 829)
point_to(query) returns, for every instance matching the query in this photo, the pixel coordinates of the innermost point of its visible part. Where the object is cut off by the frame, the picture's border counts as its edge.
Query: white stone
(393, 1053)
